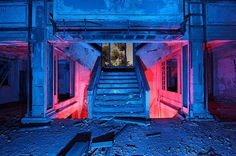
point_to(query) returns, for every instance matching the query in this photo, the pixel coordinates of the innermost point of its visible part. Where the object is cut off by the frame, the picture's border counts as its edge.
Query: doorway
(117, 55)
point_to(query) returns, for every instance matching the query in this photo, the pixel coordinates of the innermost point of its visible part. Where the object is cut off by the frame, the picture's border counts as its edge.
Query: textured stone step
(112, 114)
(109, 77)
(118, 109)
(118, 81)
(117, 91)
(118, 73)
(111, 97)
(123, 85)
(119, 103)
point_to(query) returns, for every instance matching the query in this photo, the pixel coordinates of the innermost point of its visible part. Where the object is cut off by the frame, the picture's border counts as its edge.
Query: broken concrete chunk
(79, 145)
(81, 123)
(26, 154)
(133, 120)
(105, 140)
(153, 134)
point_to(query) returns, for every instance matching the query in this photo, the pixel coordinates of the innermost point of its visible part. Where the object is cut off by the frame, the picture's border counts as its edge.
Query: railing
(92, 88)
(143, 83)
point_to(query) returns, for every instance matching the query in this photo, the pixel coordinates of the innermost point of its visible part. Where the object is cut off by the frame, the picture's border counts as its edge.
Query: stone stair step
(124, 85)
(117, 97)
(117, 109)
(118, 73)
(117, 91)
(123, 77)
(119, 103)
(100, 115)
(118, 81)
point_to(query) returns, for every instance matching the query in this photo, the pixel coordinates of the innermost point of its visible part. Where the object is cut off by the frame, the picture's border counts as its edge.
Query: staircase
(118, 94)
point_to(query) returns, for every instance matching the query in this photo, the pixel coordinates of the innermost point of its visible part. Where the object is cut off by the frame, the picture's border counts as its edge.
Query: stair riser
(118, 81)
(99, 115)
(118, 110)
(121, 103)
(118, 85)
(118, 97)
(117, 77)
(117, 91)
(118, 73)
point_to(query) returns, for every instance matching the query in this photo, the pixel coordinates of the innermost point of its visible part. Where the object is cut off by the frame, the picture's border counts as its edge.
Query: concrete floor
(174, 138)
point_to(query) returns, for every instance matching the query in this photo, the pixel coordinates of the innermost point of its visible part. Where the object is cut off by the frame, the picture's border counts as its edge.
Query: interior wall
(152, 56)
(224, 71)
(84, 57)
(10, 93)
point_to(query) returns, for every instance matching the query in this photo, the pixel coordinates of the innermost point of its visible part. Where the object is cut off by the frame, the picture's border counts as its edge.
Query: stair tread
(119, 95)
(110, 110)
(118, 74)
(117, 81)
(117, 77)
(119, 85)
(118, 104)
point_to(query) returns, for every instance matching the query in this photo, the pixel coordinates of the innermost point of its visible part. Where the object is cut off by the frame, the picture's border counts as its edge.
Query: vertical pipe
(29, 59)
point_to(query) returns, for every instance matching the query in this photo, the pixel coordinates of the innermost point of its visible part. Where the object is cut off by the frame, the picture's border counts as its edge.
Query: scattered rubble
(153, 134)
(34, 128)
(133, 120)
(128, 138)
(210, 152)
(79, 145)
(105, 140)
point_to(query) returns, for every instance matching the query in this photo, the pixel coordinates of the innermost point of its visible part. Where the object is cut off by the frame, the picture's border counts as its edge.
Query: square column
(197, 38)
(40, 64)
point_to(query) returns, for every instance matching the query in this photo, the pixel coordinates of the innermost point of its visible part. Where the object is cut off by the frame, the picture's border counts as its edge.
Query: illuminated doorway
(117, 55)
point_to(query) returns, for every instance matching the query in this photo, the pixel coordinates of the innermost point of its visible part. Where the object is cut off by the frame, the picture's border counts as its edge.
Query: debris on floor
(133, 120)
(161, 137)
(210, 152)
(153, 134)
(105, 140)
(79, 145)
(34, 128)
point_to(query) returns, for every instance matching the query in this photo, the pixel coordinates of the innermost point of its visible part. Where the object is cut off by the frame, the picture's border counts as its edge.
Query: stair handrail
(92, 88)
(143, 83)
(140, 68)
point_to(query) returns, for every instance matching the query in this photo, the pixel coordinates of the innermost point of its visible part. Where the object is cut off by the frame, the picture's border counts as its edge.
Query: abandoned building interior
(100, 75)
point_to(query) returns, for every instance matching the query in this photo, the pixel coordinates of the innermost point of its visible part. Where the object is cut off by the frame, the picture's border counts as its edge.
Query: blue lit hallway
(117, 77)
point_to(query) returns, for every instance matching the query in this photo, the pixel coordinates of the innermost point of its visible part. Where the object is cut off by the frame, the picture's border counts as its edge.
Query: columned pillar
(197, 38)
(39, 64)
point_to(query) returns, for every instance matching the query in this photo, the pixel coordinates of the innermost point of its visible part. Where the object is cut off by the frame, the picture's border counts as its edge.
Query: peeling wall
(85, 57)
(164, 13)
(224, 70)
(83, 53)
